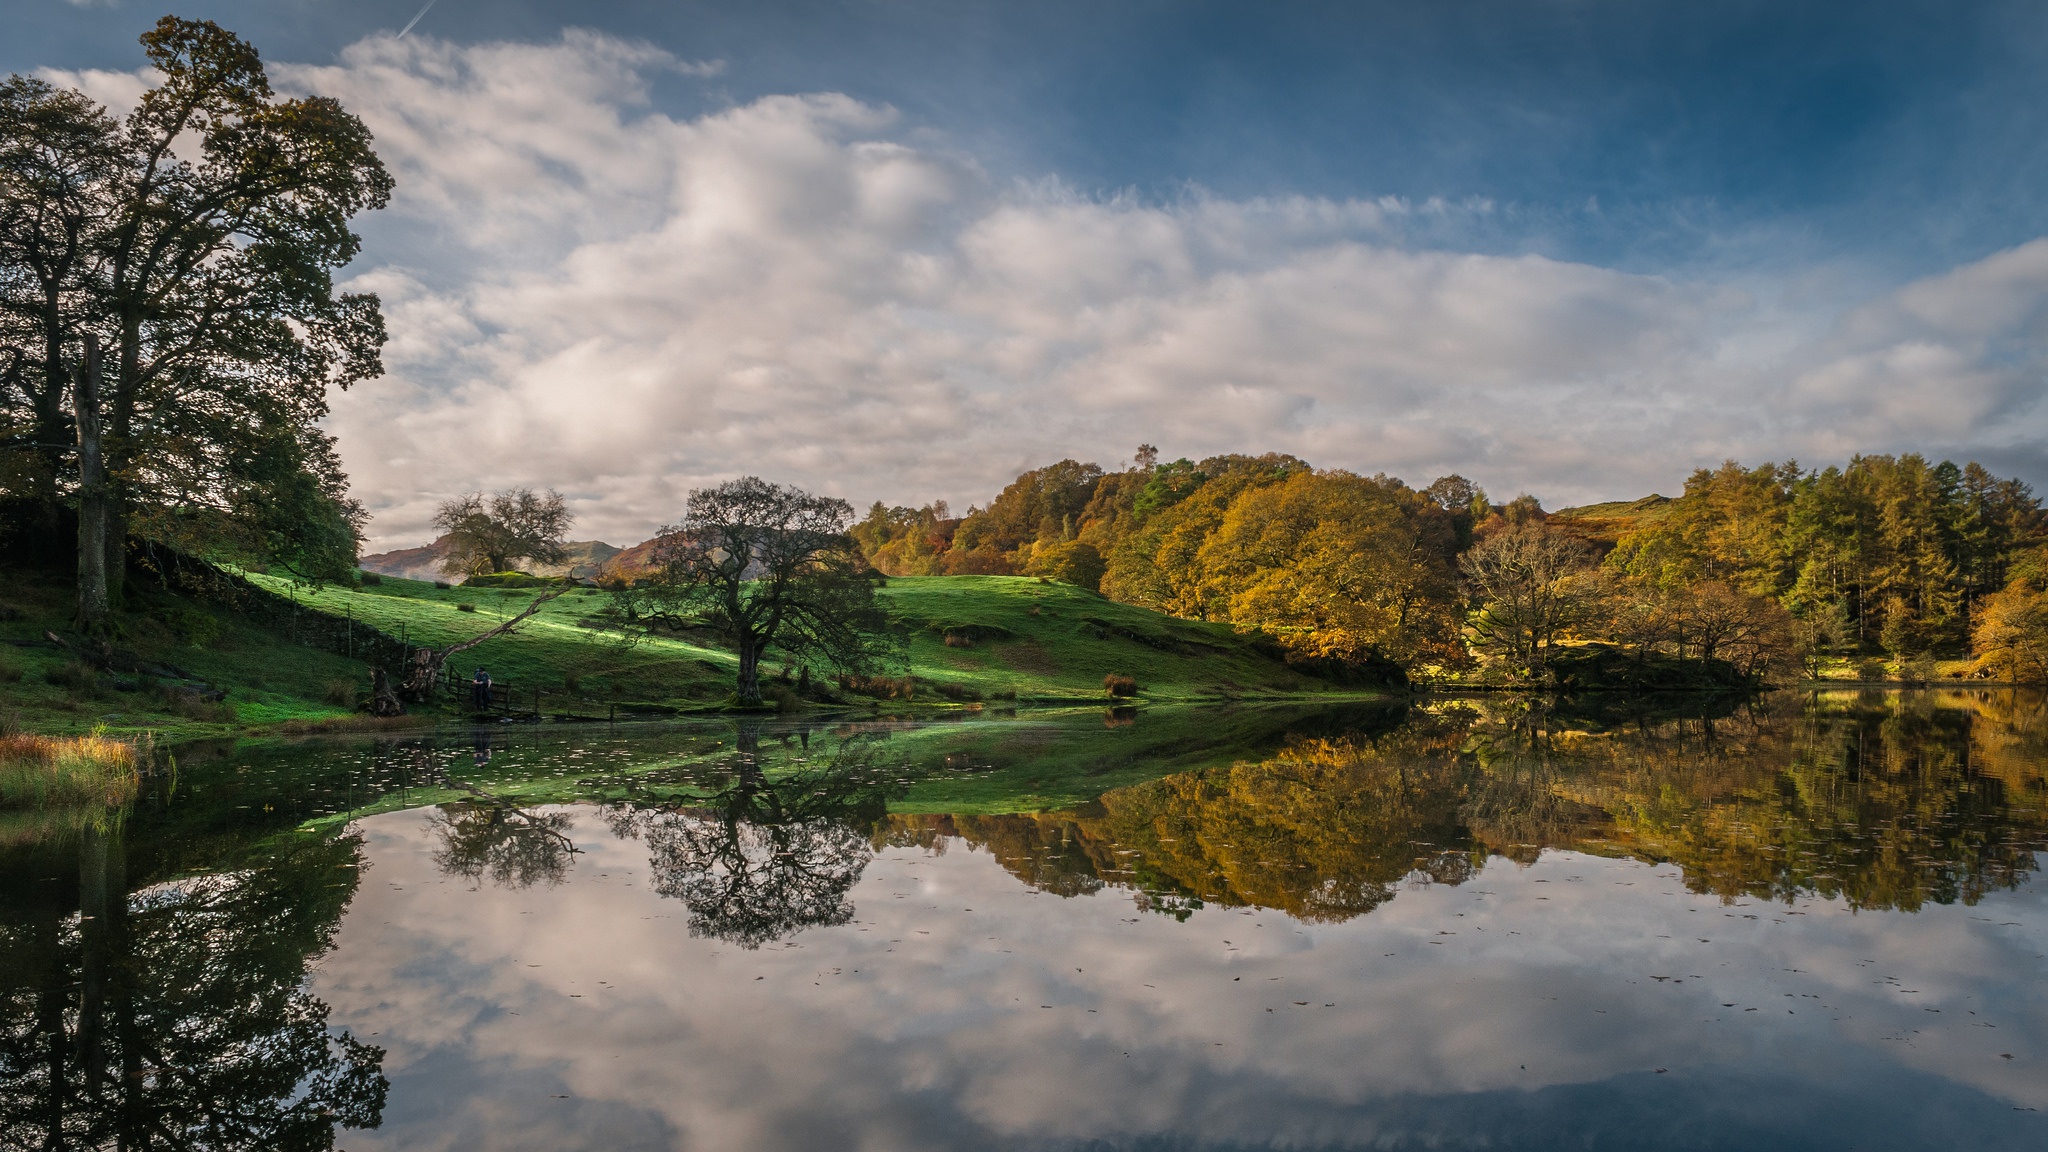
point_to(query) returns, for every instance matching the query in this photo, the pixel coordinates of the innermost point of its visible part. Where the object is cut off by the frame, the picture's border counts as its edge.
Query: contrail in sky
(414, 20)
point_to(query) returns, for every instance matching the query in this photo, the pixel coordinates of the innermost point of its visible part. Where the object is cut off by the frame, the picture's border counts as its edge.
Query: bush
(76, 675)
(509, 580)
(342, 693)
(10, 672)
(193, 704)
(443, 584)
(880, 687)
(465, 607)
(956, 692)
(1120, 685)
(372, 579)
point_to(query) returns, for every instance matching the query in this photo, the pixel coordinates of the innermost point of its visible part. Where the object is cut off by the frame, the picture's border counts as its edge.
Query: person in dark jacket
(480, 691)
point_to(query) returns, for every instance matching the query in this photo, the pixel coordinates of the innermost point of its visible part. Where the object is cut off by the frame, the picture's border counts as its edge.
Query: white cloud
(588, 293)
(529, 1019)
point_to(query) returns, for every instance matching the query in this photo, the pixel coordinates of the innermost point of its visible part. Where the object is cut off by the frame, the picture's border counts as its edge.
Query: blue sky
(1775, 195)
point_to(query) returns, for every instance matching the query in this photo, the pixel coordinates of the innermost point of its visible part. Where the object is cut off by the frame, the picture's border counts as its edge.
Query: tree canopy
(487, 534)
(764, 565)
(205, 272)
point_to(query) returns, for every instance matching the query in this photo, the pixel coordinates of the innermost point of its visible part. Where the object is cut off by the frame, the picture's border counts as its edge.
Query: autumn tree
(764, 565)
(1339, 567)
(1534, 585)
(902, 541)
(2010, 640)
(488, 533)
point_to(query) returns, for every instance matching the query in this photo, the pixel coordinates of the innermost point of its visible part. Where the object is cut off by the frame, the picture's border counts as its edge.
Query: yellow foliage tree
(2010, 637)
(1335, 565)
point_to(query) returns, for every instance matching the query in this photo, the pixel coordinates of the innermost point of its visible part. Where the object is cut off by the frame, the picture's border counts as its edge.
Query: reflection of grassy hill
(967, 638)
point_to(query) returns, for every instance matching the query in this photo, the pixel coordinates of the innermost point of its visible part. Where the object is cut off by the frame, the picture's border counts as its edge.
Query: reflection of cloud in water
(1520, 1003)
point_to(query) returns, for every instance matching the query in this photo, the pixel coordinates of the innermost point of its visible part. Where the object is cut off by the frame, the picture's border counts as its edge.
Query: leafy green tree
(206, 272)
(58, 155)
(764, 565)
(487, 534)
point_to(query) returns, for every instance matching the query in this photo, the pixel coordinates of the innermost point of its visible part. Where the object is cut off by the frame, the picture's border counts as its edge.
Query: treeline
(1749, 572)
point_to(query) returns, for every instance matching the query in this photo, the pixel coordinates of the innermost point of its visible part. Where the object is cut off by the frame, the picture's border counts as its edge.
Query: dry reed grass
(42, 770)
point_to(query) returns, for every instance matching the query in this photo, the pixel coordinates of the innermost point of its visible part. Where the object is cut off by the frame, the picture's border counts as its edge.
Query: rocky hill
(583, 560)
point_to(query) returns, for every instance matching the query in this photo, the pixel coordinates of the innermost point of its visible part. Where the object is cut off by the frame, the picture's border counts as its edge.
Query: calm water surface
(1804, 923)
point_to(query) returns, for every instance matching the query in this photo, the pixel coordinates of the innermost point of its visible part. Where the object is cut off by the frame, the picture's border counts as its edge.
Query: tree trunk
(92, 498)
(749, 690)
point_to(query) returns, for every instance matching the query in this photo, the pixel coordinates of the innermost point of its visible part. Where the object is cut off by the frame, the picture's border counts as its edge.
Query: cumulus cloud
(587, 292)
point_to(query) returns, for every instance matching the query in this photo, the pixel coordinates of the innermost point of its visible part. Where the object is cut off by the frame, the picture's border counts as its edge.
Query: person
(480, 690)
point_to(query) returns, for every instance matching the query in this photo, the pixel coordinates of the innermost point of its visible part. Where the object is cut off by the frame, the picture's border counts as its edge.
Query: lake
(1809, 921)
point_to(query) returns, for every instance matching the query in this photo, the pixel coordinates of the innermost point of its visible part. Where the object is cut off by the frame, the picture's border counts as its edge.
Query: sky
(903, 249)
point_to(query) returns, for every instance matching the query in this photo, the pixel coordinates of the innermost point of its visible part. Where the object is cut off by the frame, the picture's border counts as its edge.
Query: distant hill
(1605, 524)
(583, 560)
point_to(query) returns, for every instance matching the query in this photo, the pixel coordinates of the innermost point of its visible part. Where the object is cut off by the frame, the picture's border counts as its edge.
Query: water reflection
(1886, 801)
(1402, 925)
(759, 859)
(140, 1009)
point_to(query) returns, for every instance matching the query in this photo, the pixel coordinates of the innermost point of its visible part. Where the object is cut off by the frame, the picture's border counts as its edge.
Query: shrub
(880, 687)
(465, 607)
(443, 584)
(76, 675)
(193, 704)
(956, 692)
(91, 769)
(958, 640)
(1119, 685)
(341, 693)
(372, 579)
(10, 672)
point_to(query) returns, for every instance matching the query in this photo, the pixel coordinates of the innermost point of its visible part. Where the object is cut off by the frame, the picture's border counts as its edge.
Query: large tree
(1534, 585)
(486, 534)
(205, 272)
(764, 564)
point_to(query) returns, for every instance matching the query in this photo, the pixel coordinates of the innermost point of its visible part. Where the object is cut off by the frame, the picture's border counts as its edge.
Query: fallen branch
(428, 662)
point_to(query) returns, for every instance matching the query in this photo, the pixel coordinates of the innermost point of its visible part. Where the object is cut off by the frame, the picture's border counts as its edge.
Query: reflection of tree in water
(1886, 801)
(515, 848)
(762, 858)
(490, 836)
(175, 1016)
(1325, 829)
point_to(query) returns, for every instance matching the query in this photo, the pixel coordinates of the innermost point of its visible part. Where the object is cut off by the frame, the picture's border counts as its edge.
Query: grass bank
(967, 642)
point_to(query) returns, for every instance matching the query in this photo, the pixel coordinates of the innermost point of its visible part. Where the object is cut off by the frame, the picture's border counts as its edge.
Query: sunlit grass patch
(39, 770)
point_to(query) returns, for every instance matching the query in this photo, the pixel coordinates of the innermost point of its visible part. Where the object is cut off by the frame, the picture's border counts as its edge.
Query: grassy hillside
(968, 639)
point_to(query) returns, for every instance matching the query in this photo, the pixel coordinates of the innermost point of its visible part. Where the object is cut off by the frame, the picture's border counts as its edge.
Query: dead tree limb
(428, 662)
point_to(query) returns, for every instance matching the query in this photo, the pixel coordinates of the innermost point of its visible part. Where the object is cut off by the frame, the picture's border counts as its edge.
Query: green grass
(269, 679)
(1055, 641)
(1014, 639)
